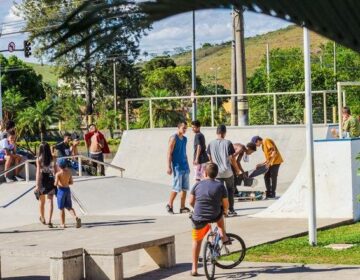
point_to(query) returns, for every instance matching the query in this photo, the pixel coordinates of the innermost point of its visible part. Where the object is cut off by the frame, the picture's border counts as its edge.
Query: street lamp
(216, 85)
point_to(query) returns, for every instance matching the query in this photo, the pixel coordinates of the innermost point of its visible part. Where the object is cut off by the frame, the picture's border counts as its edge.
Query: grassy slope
(46, 71)
(297, 250)
(220, 56)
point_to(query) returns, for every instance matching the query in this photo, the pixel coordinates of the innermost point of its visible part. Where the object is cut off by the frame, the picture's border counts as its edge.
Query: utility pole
(115, 94)
(193, 72)
(216, 84)
(309, 141)
(241, 68)
(334, 61)
(233, 75)
(267, 68)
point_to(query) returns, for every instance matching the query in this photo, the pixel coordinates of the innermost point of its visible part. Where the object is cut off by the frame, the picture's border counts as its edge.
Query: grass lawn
(297, 250)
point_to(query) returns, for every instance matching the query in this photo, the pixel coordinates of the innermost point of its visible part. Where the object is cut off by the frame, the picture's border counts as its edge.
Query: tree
(159, 62)
(176, 80)
(166, 113)
(108, 119)
(13, 103)
(43, 115)
(82, 61)
(20, 77)
(69, 109)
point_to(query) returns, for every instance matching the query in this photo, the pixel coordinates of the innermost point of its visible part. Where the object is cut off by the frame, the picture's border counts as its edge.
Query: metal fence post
(334, 109)
(27, 171)
(275, 110)
(325, 108)
(340, 105)
(344, 97)
(212, 112)
(80, 166)
(127, 113)
(151, 114)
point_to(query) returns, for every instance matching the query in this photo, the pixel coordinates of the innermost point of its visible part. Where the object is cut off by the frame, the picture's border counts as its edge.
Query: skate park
(127, 233)
(123, 210)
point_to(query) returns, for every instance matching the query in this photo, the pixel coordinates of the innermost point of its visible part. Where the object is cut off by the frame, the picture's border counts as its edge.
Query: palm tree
(165, 112)
(13, 102)
(44, 115)
(25, 125)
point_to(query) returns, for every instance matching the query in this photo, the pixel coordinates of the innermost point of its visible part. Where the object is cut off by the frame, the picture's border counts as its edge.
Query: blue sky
(213, 26)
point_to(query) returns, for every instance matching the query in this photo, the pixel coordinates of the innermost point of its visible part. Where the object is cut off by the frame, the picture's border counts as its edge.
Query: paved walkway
(112, 231)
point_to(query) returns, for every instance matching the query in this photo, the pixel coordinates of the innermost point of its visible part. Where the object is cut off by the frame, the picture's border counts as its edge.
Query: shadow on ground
(163, 273)
(33, 277)
(118, 223)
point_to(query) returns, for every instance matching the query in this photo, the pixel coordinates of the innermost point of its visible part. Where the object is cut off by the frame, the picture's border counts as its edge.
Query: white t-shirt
(4, 144)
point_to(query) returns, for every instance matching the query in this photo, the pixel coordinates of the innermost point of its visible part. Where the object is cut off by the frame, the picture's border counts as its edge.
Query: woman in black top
(45, 169)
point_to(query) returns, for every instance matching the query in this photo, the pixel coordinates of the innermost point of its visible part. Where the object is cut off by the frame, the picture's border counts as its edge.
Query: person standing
(63, 147)
(200, 155)
(178, 165)
(97, 146)
(221, 151)
(63, 180)
(45, 182)
(273, 160)
(351, 125)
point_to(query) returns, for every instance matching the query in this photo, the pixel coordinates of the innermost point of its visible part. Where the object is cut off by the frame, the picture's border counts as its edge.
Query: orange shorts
(199, 234)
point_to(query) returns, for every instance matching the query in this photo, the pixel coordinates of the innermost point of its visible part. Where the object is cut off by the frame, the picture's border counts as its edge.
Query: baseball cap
(255, 139)
(62, 162)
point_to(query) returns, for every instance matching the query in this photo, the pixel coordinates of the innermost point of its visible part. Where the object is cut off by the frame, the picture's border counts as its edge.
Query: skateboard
(251, 182)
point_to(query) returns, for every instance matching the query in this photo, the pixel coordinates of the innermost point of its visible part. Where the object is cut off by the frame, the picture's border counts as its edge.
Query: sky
(212, 26)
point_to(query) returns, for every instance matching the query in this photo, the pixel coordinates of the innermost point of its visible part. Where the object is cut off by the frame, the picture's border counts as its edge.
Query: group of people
(226, 155)
(218, 170)
(54, 176)
(53, 167)
(8, 151)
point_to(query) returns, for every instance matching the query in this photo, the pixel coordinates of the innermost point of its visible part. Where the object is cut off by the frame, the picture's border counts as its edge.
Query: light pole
(115, 95)
(193, 72)
(216, 84)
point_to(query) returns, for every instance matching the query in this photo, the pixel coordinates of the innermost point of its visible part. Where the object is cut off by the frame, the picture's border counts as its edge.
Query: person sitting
(351, 125)
(209, 199)
(8, 154)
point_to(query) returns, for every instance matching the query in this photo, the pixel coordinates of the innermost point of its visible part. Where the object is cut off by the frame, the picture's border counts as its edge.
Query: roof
(334, 19)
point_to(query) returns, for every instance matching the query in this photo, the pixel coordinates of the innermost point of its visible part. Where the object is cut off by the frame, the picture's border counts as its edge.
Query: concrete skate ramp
(337, 184)
(91, 196)
(143, 152)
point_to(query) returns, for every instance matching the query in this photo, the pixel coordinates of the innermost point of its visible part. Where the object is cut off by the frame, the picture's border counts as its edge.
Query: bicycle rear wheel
(208, 261)
(233, 254)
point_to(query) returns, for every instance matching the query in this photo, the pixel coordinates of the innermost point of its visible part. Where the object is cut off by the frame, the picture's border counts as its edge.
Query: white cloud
(213, 26)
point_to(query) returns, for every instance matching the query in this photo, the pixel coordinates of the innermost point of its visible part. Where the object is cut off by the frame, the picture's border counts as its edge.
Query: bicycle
(218, 254)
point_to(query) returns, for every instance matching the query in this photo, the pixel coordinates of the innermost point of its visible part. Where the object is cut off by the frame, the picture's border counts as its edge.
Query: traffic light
(27, 48)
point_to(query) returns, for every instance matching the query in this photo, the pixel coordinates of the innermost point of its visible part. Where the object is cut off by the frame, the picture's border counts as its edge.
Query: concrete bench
(101, 264)
(64, 265)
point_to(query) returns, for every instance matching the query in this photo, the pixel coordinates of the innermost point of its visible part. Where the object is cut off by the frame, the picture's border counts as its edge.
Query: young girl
(63, 180)
(45, 168)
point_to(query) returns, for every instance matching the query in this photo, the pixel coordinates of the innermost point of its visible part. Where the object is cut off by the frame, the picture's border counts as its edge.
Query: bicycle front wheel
(208, 261)
(232, 254)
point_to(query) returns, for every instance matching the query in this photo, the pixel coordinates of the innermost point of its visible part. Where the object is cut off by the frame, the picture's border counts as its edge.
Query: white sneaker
(19, 178)
(9, 180)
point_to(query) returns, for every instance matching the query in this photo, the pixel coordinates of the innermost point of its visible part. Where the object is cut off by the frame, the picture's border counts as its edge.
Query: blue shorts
(64, 198)
(180, 180)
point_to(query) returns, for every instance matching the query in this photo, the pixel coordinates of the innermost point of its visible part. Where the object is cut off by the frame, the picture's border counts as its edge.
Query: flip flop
(42, 220)
(194, 274)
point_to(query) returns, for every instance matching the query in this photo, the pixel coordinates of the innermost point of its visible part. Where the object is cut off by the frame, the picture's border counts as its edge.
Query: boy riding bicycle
(210, 202)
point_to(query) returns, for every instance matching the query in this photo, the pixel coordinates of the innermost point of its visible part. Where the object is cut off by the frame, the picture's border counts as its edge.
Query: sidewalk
(112, 231)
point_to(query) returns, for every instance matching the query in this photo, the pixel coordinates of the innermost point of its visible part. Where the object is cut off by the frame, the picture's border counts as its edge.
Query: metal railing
(212, 97)
(80, 159)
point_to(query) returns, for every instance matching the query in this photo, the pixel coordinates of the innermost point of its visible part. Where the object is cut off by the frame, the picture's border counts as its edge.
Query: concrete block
(163, 255)
(103, 266)
(67, 265)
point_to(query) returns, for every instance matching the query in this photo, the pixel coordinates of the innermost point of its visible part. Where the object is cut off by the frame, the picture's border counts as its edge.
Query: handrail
(79, 157)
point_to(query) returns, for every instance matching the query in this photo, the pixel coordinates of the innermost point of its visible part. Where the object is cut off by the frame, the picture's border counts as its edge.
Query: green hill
(255, 49)
(46, 71)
